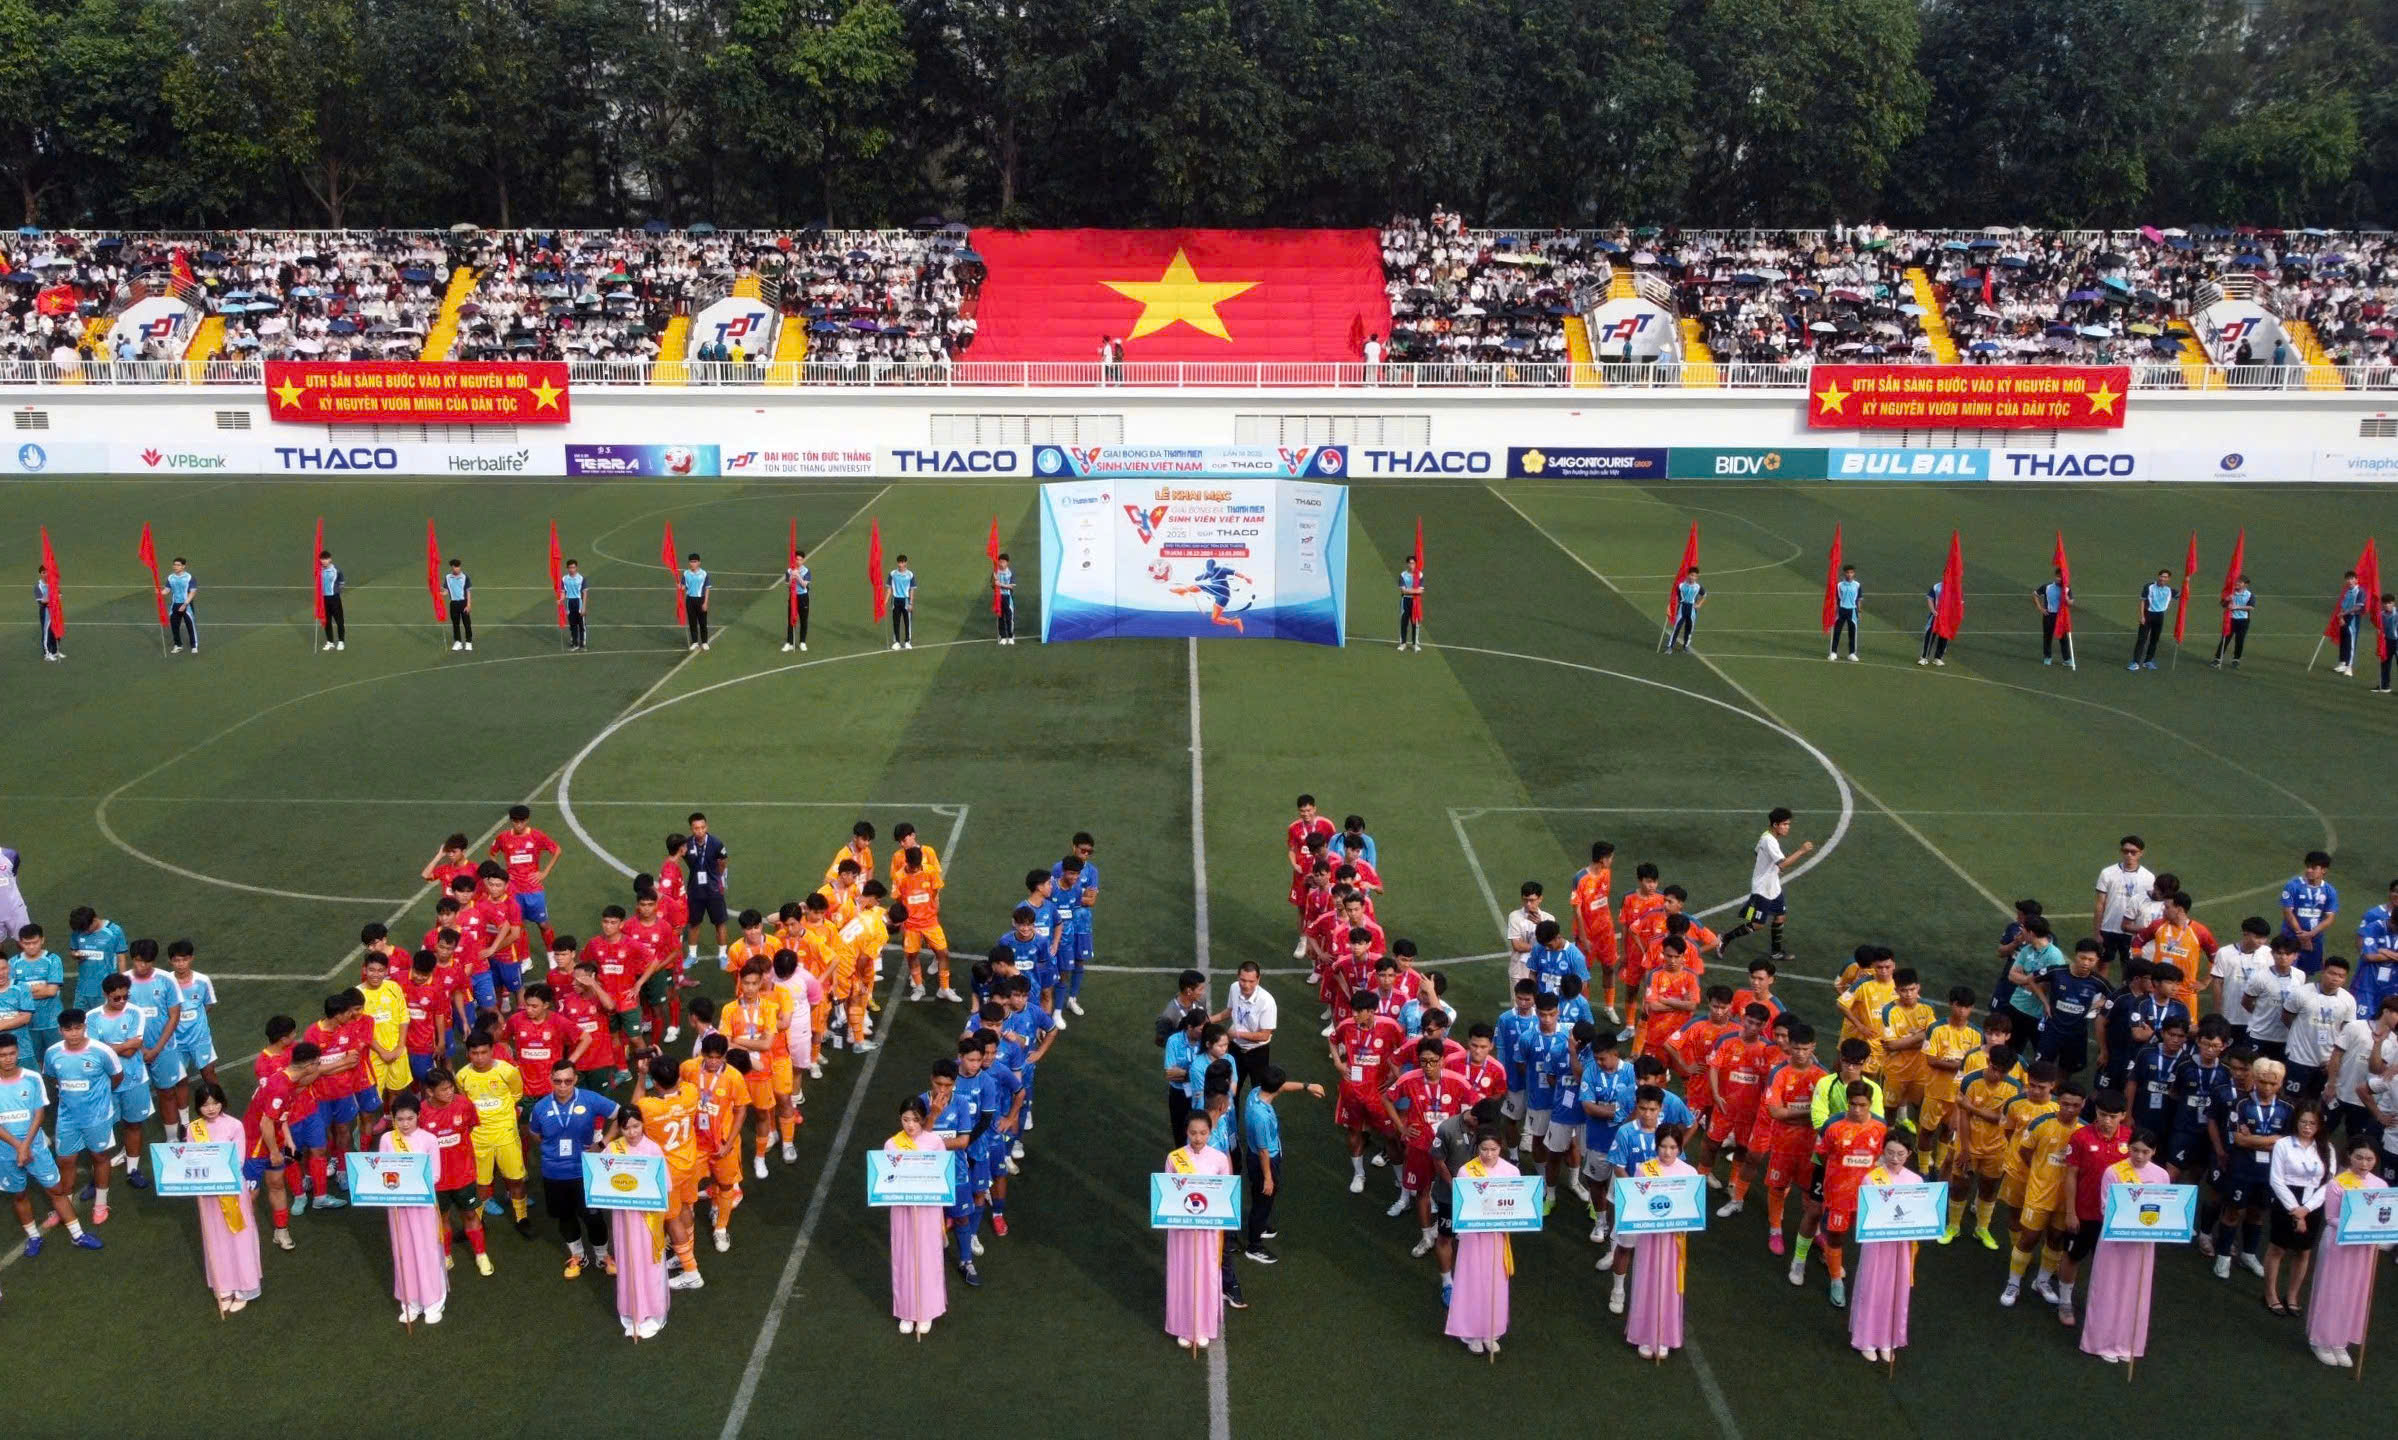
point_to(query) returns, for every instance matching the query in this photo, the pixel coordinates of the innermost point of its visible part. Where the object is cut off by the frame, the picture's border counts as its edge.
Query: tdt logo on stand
(667, 461)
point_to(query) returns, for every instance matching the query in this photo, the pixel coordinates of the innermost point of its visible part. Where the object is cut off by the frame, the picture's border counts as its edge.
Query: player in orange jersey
(758, 1021)
(723, 1094)
(670, 1116)
(1737, 1068)
(1642, 917)
(1785, 1133)
(1849, 1146)
(918, 882)
(1669, 995)
(1594, 931)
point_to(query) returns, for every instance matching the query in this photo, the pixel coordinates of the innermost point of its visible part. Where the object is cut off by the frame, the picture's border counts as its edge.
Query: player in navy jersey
(2309, 904)
(2074, 995)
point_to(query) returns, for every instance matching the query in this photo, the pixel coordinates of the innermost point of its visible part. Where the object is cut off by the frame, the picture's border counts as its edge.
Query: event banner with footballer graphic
(1232, 558)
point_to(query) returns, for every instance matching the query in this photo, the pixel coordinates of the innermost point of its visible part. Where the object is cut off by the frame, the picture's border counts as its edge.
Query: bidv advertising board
(1212, 559)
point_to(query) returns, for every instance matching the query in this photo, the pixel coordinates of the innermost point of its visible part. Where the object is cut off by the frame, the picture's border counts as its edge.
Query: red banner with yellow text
(1187, 295)
(499, 392)
(1972, 397)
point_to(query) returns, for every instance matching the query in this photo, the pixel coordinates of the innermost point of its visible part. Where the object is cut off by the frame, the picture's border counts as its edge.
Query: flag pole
(2311, 659)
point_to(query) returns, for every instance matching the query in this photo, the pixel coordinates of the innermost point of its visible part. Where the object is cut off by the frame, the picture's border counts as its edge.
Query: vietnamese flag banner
(58, 594)
(148, 554)
(1690, 562)
(1191, 295)
(674, 567)
(2231, 576)
(991, 551)
(557, 575)
(874, 569)
(2181, 607)
(441, 609)
(1985, 397)
(2065, 587)
(1949, 614)
(497, 392)
(316, 570)
(1831, 584)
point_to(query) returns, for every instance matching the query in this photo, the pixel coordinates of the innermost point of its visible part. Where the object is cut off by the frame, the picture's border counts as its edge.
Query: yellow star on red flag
(1179, 297)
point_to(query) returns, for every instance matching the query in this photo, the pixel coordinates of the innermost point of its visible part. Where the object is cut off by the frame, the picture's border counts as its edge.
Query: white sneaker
(328, 645)
(910, 645)
(470, 644)
(952, 997)
(1598, 1232)
(915, 992)
(1853, 660)
(2252, 1265)
(904, 1327)
(457, 645)
(1942, 663)
(702, 645)
(1833, 656)
(759, 1161)
(1074, 1004)
(861, 1047)
(894, 644)
(1357, 1184)
(1921, 661)
(803, 649)
(1017, 1150)
(2046, 1288)
(1299, 951)
(1422, 1247)
(1613, 1018)
(1615, 1306)
(341, 644)
(977, 1243)
(1058, 1020)
(2324, 1353)
(1798, 1272)
(1714, 1181)
(1012, 1167)
(432, 1315)
(1378, 1160)
(1326, 1032)
(671, 1032)
(1728, 1209)
(1581, 1191)
(694, 647)
(724, 1241)
(177, 650)
(688, 1280)
(790, 1154)
(2007, 1297)
(1398, 1207)
(2223, 1267)
(816, 1072)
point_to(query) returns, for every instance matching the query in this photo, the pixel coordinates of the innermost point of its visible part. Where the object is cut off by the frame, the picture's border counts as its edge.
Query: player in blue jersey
(2309, 904)
(1007, 1102)
(180, 588)
(1553, 957)
(1034, 1029)
(117, 1025)
(1510, 1037)
(956, 1102)
(190, 1052)
(2376, 956)
(1065, 892)
(2239, 607)
(97, 945)
(901, 583)
(1215, 582)
(1003, 593)
(2072, 996)
(1074, 880)
(152, 995)
(2156, 599)
(84, 1075)
(25, 1150)
(42, 975)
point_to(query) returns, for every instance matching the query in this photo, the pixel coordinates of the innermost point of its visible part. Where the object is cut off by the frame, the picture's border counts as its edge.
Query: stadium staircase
(1935, 320)
(2199, 372)
(2321, 374)
(1620, 286)
(1577, 350)
(671, 368)
(442, 339)
(1699, 371)
(747, 287)
(208, 337)
(790, 351)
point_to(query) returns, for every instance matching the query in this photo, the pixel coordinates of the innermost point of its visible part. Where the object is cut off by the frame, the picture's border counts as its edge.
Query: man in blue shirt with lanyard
(1689, 595)
(795, 623)
(1003, 587)
(460, 591)
(1845, 596)
(902, 584)
(328, 589)
(181, 588)
(572, 588)
(695, 601)
(704, 859)
(2352, 606)
(2237, 607)
(1411, 592)
(2155, 600)
(2308, 906)
(565, 1123)
(2051, 599)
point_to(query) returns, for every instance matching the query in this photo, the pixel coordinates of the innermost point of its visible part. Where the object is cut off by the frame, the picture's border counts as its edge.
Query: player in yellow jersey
(916, 876)
(670, 1116)
(494, 1087)
(2015, 1117)
(1948, 1053)
(1905, 1023)
(2047, 1194)
(860, 849)
(1862, 999)
(386, 1004)
(1979, 1163)
(723, 1102)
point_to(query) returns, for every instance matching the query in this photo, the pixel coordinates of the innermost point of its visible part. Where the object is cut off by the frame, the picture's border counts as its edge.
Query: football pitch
(266, 799)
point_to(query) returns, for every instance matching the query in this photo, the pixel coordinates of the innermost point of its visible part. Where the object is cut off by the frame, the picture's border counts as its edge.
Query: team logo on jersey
(1146, 521)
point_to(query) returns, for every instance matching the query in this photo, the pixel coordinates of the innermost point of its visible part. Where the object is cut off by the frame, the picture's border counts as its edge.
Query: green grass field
(266, 799)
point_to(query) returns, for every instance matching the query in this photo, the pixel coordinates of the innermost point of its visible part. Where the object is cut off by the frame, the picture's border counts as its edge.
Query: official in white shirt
(2316, 1013)
(2123, 888)
(1521, 923)
(2234, 964)
(1249, 1016)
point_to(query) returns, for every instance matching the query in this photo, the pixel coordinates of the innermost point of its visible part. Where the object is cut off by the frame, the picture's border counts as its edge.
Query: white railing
(1091, 375)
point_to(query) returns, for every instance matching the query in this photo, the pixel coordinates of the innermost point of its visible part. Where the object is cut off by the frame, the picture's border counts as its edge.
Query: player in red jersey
(500, 916)
(587, 1010)
(341, 1074)
(1737, 1068)
(1669, 996)
(1306, 840)
(454, 969)
(1785, 1132)
(428, 1013)
(1354, 970)
(1594, 931)
(449, 1118)
(1316, 901)
(538, 1036)
(1414, 1108)
(282, 1103)
(448, 863)
(1759, 990)
(1363, 1047)
(1688, 1047)
(660, 942)
(529, 856)
(1482, 1072)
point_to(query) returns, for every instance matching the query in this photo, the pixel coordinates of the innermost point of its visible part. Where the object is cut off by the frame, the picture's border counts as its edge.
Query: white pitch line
(746, 1393)
(2001, 906)
(1219, 1371)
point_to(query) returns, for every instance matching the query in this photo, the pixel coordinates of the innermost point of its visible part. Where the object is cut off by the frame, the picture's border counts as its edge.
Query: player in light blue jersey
(1847, 593)
(190, 1052)
(959, 1105)
(42, 974)
(25, 1150)
(151, 993)
(692, 584)
(181, 588)
(574, 591)
(2156, 601)
(800, 579)
(1689, 595)
(84, 1074)
(1003, 590)
(1356, 825)
(117, 1025)
(2054, 601)
(2239, 607)
(97, 944)
(41, 616)
(901, 583)
(2349, 615)
(459, 591)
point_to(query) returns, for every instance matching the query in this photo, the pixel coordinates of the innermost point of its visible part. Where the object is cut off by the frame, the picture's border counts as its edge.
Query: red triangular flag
(991, 549)
(557, 574)
(1418, 601)
(2231, 575)
(674, 565)
(316, 581)
(874, 569)
(2181, 608)
(58, 594)
(2065, 588)
(2368, 574)
(1950, 613)
(441, 609)
(1690, 562)
(791, 576)
(1831, 584)
(149, 559)
(2368, 579)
